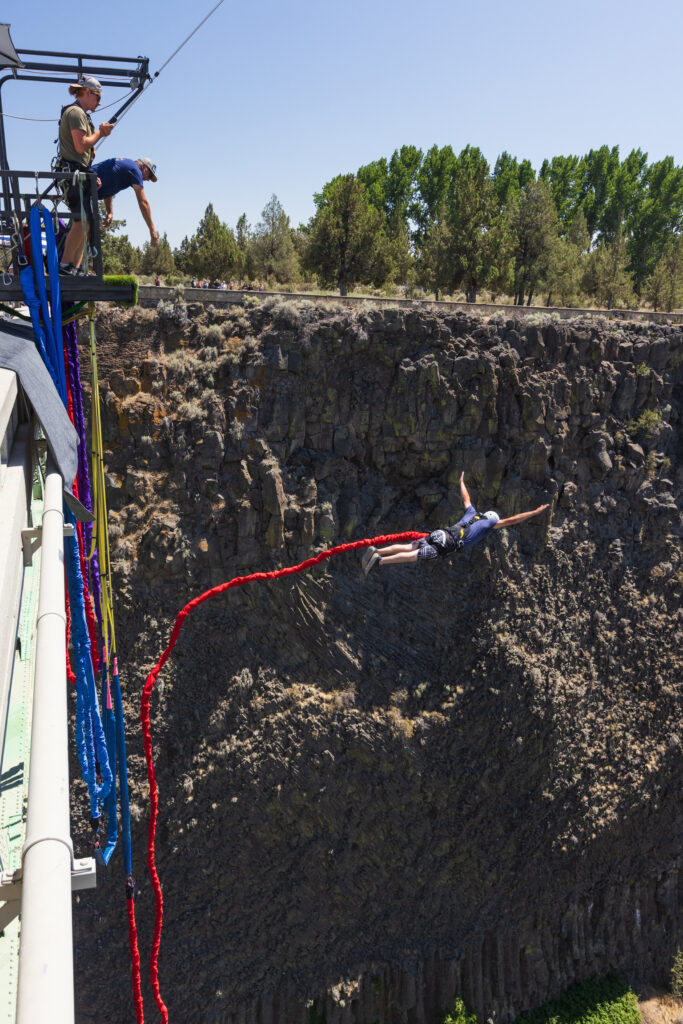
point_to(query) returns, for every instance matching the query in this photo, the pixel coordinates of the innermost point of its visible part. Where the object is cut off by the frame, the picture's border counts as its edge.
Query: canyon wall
(454, 778)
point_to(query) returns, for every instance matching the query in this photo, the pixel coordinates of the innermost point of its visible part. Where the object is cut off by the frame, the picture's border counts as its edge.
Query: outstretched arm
(513, 520)
(146, 211)
(464, 493)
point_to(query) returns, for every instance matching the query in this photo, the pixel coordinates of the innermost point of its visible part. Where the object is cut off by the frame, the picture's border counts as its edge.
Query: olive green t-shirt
(74, 117)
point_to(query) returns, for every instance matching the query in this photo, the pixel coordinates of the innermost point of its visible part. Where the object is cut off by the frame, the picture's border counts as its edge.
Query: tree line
(592, 228)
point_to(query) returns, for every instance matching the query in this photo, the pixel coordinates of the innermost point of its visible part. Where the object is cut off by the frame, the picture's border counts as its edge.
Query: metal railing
(19, 192)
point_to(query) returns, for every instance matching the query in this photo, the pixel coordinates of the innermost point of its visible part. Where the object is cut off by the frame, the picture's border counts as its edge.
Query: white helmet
(492, 515)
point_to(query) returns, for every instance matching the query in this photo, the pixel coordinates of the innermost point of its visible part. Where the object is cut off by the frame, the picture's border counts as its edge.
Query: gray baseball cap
(90, 82)
(150, 165)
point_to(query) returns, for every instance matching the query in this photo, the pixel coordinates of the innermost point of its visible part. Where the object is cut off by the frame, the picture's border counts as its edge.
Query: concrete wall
(149, 296)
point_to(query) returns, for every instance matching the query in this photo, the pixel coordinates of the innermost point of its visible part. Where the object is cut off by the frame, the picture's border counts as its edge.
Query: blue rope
(33, 303)
(91, 743)
(104, 855)
(123, 773)
(52, 321)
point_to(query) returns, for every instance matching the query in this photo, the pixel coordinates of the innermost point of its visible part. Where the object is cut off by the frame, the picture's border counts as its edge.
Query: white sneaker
(367, 555)
(372, 562)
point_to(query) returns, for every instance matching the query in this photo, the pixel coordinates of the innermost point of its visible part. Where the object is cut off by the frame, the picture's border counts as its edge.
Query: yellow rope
(101, 532)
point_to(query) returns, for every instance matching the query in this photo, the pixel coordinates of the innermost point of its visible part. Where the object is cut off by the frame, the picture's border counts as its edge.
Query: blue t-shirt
(478, 530)
(115, 175)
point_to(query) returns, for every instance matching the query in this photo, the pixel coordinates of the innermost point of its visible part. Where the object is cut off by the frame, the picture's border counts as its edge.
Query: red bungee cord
(238, 581)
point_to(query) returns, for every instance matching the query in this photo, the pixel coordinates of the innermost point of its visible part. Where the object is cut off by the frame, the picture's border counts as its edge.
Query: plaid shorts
(437, 544)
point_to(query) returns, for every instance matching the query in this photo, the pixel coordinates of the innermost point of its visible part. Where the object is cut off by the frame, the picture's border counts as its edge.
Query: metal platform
(77, 289)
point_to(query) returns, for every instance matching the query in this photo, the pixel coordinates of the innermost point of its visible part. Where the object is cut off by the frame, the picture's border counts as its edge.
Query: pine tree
(158, 260)
(212, 252)
(245, 250)
(534, 227)
(434, 263)
(347, 243)
(471, 208)
(664, 287)
(273, 249)
(567, 264)
(608, 278)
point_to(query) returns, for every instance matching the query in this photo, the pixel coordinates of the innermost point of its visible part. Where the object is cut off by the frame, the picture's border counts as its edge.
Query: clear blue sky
(278, 98)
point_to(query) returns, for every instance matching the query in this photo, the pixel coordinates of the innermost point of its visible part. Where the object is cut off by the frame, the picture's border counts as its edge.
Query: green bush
(647, 425)
(598, 1001)
(460, 1014)
(677, 974)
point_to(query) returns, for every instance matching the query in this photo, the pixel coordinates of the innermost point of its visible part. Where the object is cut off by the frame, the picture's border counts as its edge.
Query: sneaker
(372, 562)
(367, 555)
(66, 269)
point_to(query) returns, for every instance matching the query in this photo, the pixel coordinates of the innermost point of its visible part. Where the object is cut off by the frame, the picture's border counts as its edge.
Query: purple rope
(70, 335)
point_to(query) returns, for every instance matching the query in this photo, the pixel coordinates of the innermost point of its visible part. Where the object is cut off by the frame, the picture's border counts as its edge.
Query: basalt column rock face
(376, 794)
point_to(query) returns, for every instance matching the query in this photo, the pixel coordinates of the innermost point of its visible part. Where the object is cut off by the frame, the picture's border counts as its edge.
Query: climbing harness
(459, 533)
(238, 581)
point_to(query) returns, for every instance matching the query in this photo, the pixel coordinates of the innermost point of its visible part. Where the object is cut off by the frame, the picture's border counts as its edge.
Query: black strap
(459, 533)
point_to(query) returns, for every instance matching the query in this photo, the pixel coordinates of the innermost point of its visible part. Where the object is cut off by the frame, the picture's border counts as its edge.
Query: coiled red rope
(238, 581)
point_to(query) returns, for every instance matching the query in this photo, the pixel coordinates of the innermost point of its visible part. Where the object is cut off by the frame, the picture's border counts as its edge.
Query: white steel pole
(45, 986)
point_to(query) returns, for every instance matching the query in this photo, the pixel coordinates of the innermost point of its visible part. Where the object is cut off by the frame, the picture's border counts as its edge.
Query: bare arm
(520, 518)
(82, 142)
(109, 207)
(464, 493)
(146, 211)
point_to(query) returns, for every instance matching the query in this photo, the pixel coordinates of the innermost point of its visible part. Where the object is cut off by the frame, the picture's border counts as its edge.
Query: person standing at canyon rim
(469, 530)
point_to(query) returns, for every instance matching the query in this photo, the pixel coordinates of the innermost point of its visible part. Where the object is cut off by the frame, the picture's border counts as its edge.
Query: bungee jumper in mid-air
(469, 530)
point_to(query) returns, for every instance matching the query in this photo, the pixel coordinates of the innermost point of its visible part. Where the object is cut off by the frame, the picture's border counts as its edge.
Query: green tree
(212, 251)
(501, 242)
(656, 216)
(567, 264)
(434, 263)
(158, 260)
(390, 187)
(402, 174)
(274, 253)
(534, 228)
(399, 250)
(564, 175)
(607, 275)
(509, 178)
(664, 287)
(470, 214)
(599, 168)
(375, 177)
(625, 194)
(347, 243)
(180, 256)
(433, 186)
(244, 241)
(119, 255)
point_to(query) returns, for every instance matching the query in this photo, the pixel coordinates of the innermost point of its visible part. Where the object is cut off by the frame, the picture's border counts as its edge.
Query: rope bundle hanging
(100, 746)
(238, 581)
